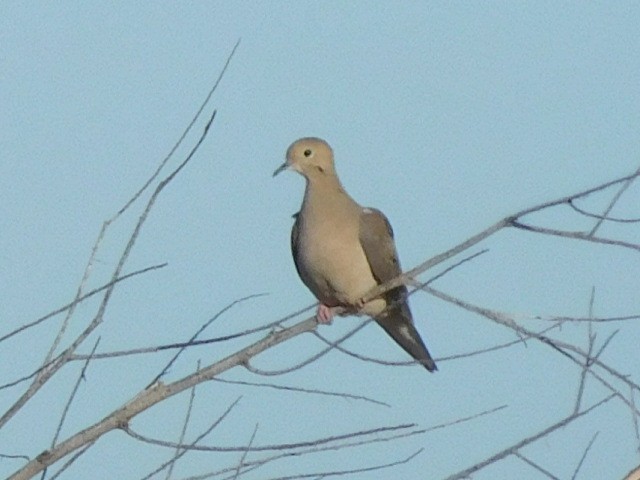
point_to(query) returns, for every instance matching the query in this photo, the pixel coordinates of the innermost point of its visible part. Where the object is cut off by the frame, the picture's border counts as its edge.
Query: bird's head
(311, 157)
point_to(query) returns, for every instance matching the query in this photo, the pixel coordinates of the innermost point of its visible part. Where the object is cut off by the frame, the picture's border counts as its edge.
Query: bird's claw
(324, 315)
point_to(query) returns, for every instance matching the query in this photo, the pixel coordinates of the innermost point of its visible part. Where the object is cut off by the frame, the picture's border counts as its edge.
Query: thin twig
(199, 331)
(587, 362)
(521, 339)
(185, 425)
(159, 392)
(76, 300)
(602, 217)
(586, 319)
(348, 396)
(184, 133)
(341, 446)
(84, 297)
(575, 235)
(243, 457)
(522, 443)
(74, 391)
(365, 358)
(614, 200)
(254, 464)
(557, 345)
(63, 358)
(463, 419)
(14, 457)
(475, 239)
(195, 442)
(634, 417)
(536, 466)
(72, 460)
(455, 265)
(584, 456)
(44, 375)
(340, 473)
(281, 446)
(311, 359)
(605, 344)
(173, 346)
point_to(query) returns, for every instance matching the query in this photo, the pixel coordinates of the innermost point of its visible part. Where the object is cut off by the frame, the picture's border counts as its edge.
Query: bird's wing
(376, 238)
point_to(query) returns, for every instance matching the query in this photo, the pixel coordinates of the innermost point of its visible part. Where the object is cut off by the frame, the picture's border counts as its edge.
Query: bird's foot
(324, 314)
(357, 307)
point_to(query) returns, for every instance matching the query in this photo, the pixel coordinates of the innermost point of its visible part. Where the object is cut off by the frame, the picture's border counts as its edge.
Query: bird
(342, 250)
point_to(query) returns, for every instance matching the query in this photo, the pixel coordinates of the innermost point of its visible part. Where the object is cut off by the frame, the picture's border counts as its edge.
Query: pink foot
(324, 315)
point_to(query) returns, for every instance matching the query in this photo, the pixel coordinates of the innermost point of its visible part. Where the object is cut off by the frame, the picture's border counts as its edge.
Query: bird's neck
(328, 193)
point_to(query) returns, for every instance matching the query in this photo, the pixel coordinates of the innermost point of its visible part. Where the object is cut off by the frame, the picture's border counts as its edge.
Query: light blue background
(445, 115)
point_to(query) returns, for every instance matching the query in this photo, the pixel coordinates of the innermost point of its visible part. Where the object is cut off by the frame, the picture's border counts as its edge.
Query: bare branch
(10, 457)
(575, 235)
(517, 446)
(183, 433)
(508, 221)
(74, 303)
(584, 455)
(63, 417)
(183, 136)
(587, 319)
(79, 300)
(633, 474)
(200, 330)
(46, 374)
(53, 367)
(536, 466)
(195, 442)
(521, 339)
(348, 396)
(340, 473)
(602, 217)
(282, 446)
(559, 346)
(147, 398)
(587, 362)
(340, 446)
(71, 461)
(634, 417)
(309, 360)
(244, 454)
(250, 465)
(173, 346)
(463, 419)
(614, 200)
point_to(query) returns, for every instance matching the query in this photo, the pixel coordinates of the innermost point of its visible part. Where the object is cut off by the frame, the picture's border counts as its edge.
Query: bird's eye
(307, 153)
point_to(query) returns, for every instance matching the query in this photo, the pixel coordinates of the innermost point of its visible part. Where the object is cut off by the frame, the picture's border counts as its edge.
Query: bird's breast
(334, 266)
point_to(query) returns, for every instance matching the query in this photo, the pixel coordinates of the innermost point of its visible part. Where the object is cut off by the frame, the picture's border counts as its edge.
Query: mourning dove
(342, 250)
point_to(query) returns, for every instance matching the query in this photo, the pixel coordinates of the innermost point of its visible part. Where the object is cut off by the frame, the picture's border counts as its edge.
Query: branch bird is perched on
(342, 250)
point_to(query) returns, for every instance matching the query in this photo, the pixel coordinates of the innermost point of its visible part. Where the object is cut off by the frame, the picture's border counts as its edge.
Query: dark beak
(282, 167)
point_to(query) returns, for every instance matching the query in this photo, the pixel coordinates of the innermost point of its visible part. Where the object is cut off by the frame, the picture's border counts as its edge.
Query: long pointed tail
(397, 322)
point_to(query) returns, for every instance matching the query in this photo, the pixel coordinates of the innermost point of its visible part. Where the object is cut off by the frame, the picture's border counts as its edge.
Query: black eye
(307, 153)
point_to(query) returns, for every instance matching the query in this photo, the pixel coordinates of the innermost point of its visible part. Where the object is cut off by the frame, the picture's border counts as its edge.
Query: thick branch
(147, 398)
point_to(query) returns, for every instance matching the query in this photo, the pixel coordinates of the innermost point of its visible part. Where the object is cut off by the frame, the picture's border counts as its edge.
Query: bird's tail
(398, 323)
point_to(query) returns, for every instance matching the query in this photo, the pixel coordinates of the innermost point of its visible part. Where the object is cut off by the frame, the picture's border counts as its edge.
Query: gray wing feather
(294, 242)
(376, 238)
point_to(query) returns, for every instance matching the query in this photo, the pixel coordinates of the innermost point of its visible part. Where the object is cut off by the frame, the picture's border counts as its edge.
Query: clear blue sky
(445, 115)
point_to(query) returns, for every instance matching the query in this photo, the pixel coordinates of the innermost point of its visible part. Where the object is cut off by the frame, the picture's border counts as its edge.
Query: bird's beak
(282, 167)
